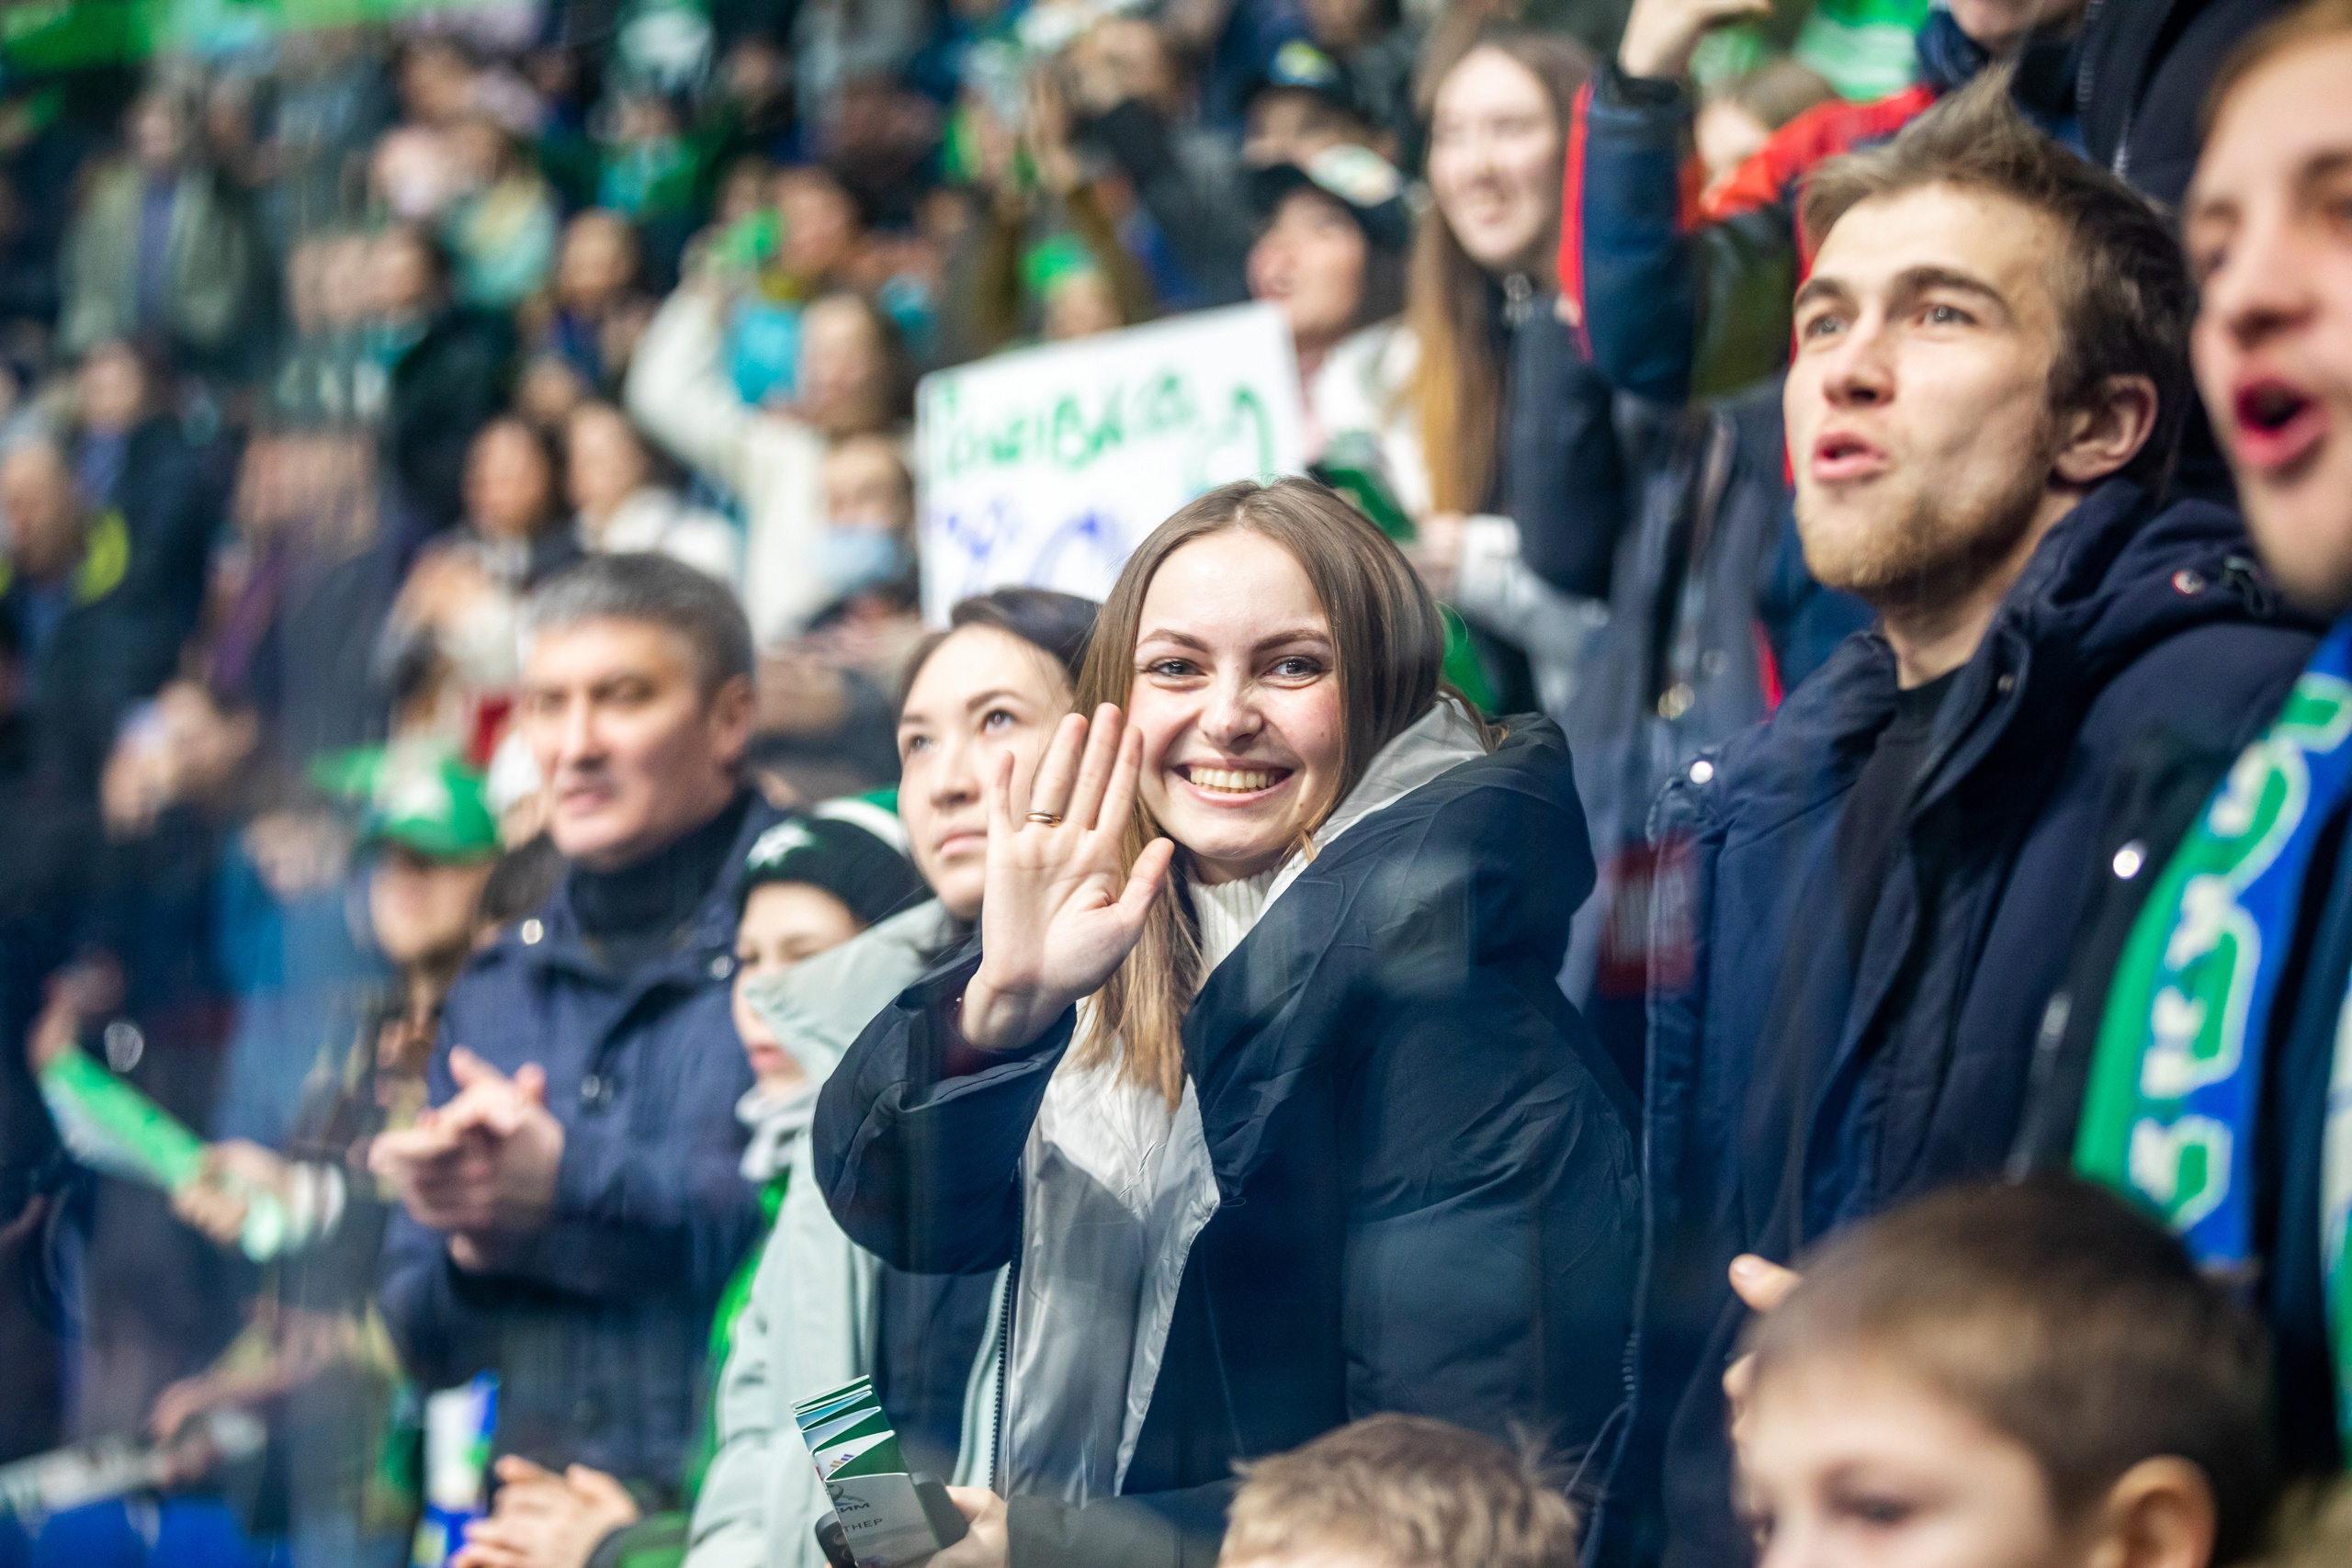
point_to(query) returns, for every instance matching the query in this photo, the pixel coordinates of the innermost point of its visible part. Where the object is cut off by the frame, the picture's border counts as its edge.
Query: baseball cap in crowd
(1363, 182)
(1297, 66)
(421, 798)
(853, 849)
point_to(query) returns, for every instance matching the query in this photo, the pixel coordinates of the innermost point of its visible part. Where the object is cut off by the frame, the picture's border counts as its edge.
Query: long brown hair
(1387, 643)
(1457, 387)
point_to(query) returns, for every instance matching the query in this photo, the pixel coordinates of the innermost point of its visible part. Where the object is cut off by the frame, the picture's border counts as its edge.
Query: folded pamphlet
(886, 1516)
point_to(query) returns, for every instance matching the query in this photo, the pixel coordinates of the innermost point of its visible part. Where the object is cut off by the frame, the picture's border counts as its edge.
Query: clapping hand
(1061, 910)
(545, 1520)
(482, 1167)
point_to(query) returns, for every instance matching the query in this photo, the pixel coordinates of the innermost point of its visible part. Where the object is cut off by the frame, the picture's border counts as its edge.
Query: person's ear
(2108, 432)
(2159, 1513)
(731, 708)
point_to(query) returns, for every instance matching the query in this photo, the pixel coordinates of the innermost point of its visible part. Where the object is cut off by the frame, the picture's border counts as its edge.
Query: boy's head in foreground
(1399, 1492)
(2007, 1377)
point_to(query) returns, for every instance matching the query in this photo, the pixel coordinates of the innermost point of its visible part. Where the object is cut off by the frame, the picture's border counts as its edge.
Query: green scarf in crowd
(2176, 1086)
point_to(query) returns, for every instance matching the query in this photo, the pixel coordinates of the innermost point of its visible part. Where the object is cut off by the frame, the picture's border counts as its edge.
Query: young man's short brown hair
(2125, 299)
(2059, 1317)
(1407, 1492)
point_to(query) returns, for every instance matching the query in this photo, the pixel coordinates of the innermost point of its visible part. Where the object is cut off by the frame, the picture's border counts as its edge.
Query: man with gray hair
(572, 1205)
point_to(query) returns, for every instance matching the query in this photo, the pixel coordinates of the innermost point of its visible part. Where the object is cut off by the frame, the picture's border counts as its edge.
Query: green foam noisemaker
(113, 1128)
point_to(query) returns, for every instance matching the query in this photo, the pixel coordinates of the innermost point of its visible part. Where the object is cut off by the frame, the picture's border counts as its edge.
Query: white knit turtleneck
(1226, 910)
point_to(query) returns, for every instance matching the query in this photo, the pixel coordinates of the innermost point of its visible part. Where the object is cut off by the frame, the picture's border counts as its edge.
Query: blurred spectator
(1511, 463)
(838, 43)
(451, 646)
(596, 309)
(852, 380)
(1046, 257)
(93, 638)
(1331, 255)
(28, 282)
(1129, 89)
(131, 459)
(160, 245)
(829, 690)
(610, 478)
(1303, 104)
(315, 1350)
(1497, 133)
(574, 1206)
(446, 371)
(820, 230)
(328, 96)
(1736, 122)
(1375, 47)
(502, 230)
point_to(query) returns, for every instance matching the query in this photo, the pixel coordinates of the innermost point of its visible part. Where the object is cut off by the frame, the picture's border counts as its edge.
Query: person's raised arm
(678, 390)
(919, 1130)
(1638, 277)
(1060, 914)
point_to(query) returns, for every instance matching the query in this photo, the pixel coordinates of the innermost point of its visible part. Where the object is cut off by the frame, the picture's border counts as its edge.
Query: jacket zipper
(998, 1464)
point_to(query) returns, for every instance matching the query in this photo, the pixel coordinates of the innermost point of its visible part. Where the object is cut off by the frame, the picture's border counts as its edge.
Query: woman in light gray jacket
(997, 682)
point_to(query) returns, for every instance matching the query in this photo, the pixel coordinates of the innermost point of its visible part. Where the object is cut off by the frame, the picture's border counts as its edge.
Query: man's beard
(1930, 548)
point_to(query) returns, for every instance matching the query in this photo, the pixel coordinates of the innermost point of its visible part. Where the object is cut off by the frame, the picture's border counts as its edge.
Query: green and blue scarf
(2175, 1086)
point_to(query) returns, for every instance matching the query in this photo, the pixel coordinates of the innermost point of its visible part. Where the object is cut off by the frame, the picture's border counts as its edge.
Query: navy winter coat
(1426, 1171)
(597, 1331)
(1789, 1092)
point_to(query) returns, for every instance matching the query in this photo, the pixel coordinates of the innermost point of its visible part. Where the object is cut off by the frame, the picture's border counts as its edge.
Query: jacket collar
(2113, 578)
(1441, 739)
(818, 1008)
(551, 941)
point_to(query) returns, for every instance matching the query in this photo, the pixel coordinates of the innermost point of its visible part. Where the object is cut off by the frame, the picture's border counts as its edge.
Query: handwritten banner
(1047, 465)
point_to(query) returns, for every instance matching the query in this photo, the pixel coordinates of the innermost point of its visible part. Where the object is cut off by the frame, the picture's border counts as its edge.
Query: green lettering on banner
(1064, 432)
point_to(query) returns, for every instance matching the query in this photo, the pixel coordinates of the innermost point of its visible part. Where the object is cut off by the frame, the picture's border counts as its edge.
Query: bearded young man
(1988, 382)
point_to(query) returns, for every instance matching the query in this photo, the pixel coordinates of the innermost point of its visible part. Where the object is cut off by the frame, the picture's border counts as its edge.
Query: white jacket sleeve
(807, 1328)
(678, 392)
(730, 1527)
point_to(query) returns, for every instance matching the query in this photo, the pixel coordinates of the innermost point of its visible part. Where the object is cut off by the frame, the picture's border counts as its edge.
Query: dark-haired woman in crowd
(1257, 1076)
(983, 695)
(451, 643)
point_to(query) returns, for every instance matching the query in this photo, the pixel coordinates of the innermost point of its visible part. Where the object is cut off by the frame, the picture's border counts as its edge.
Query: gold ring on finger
(1050, 818)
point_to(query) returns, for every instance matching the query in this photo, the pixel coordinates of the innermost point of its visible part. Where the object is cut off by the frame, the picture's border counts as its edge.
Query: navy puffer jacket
(1791, 1091)
(598, 1326)
(1425, 1171)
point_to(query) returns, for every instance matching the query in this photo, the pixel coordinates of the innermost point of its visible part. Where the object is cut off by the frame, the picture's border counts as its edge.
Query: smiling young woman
(1259, 1075)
